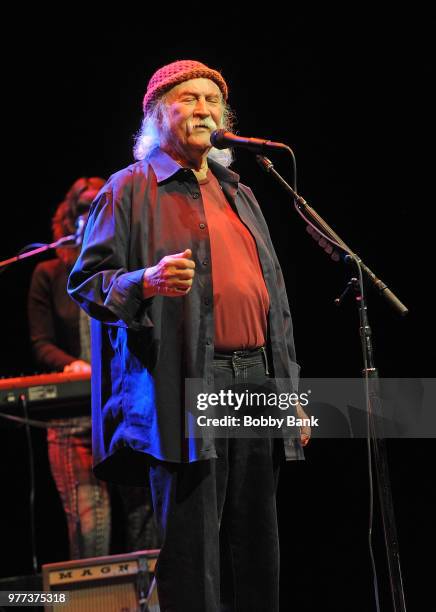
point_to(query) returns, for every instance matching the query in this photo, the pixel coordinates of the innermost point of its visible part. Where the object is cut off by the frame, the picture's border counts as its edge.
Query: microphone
(221, 139)
(80, 229)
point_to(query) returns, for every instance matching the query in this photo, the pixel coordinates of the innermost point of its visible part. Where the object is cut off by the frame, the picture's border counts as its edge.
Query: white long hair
(149, 136)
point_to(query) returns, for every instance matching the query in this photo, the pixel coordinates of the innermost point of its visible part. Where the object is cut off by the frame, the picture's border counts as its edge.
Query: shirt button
(202, 225)
(195, 195)
(208, 342)
(205, 262)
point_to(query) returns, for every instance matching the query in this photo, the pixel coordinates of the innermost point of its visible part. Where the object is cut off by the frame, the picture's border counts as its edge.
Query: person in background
(60, 341)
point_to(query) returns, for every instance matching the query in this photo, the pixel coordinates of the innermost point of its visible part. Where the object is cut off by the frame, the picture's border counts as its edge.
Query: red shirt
(241, 300)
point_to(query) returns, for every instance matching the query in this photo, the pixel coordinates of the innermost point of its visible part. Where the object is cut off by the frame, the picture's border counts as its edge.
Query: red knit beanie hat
(168, 76)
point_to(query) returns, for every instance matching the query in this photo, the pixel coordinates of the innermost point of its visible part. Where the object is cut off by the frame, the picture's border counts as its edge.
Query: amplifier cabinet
(117, 583)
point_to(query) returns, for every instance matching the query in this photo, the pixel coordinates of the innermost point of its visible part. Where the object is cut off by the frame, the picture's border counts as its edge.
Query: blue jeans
(218, 519)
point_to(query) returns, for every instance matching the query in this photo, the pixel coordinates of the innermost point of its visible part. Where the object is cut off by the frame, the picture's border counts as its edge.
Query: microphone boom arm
(331, 235)
(46, 247)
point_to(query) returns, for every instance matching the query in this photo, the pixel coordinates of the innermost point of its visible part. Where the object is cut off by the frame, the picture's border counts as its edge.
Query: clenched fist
(172, 276)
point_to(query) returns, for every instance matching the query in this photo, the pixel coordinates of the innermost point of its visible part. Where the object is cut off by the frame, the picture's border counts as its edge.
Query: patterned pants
(86, 500)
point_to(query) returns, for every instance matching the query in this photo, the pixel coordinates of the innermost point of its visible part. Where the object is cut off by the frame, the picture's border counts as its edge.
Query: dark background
(350, 93)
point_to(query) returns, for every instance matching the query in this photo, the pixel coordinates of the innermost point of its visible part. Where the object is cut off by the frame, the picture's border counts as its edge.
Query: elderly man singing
(181, 280)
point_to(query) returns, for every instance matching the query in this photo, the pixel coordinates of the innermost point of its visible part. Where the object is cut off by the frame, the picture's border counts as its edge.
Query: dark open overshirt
(143, 350)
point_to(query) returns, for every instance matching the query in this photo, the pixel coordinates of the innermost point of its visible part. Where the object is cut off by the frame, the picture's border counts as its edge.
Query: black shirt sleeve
(53, 317)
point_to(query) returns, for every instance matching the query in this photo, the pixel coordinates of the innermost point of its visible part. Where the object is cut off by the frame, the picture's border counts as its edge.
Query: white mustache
(207, 123)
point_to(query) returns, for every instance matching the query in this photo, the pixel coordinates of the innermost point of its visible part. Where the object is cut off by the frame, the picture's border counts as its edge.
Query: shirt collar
(165, 166)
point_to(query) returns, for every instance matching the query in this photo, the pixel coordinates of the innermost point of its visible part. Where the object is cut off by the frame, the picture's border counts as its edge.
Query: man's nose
(201, 108)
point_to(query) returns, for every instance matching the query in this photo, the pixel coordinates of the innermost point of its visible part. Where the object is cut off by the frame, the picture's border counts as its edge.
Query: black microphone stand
(370, 374)
(62, 242)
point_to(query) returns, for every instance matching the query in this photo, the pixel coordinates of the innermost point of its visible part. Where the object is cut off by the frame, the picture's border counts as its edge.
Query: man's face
(194, 110)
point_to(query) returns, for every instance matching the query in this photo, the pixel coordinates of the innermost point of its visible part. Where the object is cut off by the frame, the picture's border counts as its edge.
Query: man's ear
(159, 116)
(161, 112)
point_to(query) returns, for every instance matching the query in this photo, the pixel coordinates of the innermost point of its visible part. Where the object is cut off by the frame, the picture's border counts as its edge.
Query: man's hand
(78, 366)
(305, 430)
(172, 276)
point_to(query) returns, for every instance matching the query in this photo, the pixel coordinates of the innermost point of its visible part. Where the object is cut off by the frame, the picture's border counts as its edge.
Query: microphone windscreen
(217, 139)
